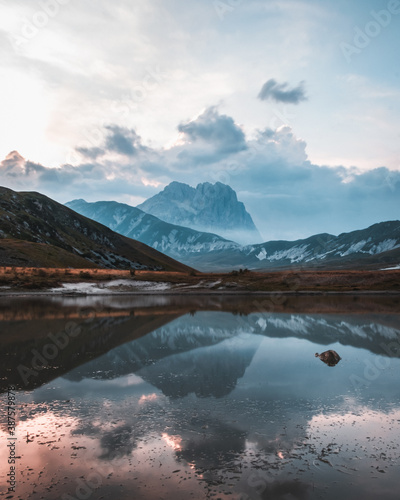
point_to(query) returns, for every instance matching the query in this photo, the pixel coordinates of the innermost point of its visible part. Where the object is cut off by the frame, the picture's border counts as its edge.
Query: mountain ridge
(176, 241)
(370, 248)
(376, 245)
(47, 225)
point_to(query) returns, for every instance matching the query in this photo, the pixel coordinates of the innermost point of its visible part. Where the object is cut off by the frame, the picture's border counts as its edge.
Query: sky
(293, 103)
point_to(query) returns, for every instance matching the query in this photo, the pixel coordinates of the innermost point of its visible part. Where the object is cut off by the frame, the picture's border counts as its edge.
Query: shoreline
(80, 282)
(48, 293)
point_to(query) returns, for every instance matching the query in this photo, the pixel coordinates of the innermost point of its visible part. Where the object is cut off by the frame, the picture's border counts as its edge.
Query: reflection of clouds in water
(88, 390)
(271, 416)
(148, 397)
(45, 450)
(86, 428)
(119, 441)
(232, 399)
(282, 490)
(212, 437)
(368, 431)
(211, 446)
(173, 441)
(119, 426)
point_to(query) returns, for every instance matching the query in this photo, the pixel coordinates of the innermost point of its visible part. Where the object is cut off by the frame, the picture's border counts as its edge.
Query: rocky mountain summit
(212, 208)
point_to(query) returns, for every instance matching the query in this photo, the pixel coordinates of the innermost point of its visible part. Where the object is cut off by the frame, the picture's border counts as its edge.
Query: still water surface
(201, 397)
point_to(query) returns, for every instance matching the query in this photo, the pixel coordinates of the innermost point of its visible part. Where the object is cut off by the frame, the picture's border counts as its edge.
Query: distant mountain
(375, 247)
(37, 231)
(357, 247)
(378, 246)
(178, 242)
(212, 208)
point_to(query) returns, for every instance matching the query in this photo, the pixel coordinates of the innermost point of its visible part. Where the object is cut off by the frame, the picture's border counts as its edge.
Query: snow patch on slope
(391, 268)
(114, 286)
(384, 246)
(295, 254)
(262, 255)
(356, 247)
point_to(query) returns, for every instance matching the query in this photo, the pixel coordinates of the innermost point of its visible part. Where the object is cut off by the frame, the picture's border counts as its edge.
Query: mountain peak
(78, 200)
(178, 190)
(216, 189)
(208, 207)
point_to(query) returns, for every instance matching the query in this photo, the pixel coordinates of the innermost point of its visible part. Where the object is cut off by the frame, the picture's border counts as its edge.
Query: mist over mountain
(212, 208)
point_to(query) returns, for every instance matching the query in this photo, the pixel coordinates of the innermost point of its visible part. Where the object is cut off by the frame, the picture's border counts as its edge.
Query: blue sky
(295, 104)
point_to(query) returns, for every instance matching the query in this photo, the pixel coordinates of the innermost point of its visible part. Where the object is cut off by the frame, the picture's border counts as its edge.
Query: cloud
(15, 165)
(287, 196)
(49, 78)
(215, 129)
(26, 174)
(91, 153)
(122, 140)
(279, 92)
(92, 180)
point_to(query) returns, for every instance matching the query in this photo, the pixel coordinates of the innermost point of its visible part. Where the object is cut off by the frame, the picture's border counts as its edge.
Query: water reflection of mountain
(209, 371)
(226, 399)
(205, 361)
(207, 353)
(119, 340)
(366, 331)
(158, 351)
(82, 340)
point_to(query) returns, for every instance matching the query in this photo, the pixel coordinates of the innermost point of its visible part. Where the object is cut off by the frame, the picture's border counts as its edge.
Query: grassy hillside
(56, 236)
(20, 253)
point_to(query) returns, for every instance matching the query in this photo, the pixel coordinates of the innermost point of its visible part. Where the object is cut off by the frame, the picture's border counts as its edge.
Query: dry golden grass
(29, 278)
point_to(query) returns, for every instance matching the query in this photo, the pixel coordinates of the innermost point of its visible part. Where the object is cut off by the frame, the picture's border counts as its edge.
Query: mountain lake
(199, 396)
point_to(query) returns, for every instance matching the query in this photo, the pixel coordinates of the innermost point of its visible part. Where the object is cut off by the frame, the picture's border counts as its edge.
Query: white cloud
(286, 194)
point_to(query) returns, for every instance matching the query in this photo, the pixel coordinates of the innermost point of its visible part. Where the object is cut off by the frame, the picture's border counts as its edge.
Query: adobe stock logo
(49, 9)
(362, 37)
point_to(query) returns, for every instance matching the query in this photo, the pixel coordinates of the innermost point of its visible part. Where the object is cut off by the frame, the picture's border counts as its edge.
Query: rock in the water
(331, 358)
